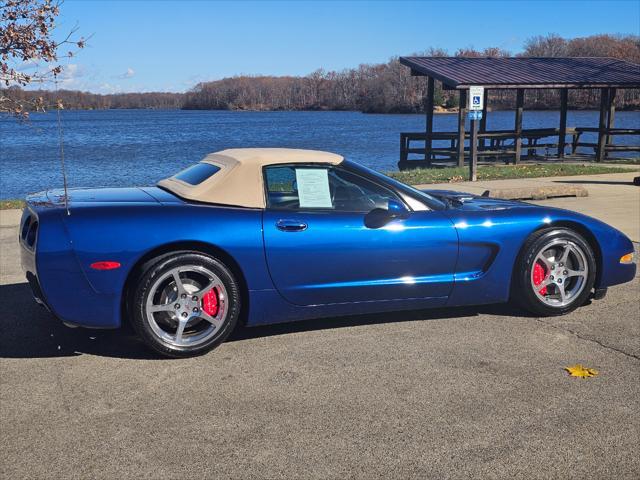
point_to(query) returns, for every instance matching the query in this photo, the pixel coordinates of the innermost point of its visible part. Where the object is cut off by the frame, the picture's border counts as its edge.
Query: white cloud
(71, 71)
(108, 88)
(70, 76)
(117, 87)
(31, 64)
(128, 74)
(90, 78)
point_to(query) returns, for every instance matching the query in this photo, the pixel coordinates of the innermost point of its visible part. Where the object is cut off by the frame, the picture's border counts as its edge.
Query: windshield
(430, 201)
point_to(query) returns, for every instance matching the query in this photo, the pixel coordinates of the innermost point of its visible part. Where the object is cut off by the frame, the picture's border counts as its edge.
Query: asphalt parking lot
(460, 393)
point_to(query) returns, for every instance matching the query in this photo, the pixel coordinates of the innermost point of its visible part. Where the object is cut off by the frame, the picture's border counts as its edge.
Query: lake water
(139, 147)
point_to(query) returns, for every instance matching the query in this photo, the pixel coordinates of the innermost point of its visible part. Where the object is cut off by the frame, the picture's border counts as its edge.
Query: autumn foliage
(390, 88)
(28, 51)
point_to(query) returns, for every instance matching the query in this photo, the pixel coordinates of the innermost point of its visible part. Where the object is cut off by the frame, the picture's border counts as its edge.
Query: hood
(469, 201)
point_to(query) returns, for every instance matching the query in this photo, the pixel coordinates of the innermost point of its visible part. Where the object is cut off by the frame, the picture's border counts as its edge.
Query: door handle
(291, 225)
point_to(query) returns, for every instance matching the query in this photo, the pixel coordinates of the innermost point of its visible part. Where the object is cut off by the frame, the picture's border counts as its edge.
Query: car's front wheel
(555, 272)
(185, 304)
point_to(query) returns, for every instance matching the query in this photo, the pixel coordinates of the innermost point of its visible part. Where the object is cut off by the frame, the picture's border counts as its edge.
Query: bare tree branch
(26, 28)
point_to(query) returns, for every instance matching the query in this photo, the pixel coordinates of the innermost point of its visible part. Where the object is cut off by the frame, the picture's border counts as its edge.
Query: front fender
(613, 244)
(493, 240)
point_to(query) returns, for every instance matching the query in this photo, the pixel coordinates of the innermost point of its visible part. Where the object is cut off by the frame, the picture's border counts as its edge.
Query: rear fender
(130, 235)
(62, 283)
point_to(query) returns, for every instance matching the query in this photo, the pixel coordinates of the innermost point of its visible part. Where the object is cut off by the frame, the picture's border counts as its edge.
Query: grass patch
(11, 204)
(421, 176)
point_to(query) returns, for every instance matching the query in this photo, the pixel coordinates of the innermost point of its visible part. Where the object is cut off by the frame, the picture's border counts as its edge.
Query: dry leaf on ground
(581, 371)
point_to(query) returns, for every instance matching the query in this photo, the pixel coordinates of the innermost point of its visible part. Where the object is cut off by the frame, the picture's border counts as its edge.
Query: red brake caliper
(539, 274)
(210, 302)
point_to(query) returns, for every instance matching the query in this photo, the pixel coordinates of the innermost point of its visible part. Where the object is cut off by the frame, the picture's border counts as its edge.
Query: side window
(282, 191)
(350, 192)
(310, 187)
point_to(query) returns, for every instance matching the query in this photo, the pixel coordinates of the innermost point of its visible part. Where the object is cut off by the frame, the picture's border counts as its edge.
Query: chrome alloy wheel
(559, 273)
(186, 306)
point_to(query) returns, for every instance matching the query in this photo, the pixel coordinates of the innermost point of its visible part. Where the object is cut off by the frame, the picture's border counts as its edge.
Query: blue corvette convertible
(262, 236)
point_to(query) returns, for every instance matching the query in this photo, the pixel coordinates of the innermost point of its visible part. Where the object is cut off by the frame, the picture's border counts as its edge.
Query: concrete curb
(10, 218)
(537, 193)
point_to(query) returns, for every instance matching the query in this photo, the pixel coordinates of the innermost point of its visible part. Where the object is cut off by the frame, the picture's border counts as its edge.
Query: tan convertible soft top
(239, 181)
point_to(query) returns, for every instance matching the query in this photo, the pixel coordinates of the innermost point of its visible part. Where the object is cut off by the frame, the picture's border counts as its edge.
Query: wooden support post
(518, 123)
(602, 123)
(610, 118)
(564, 96)
(462, 113)
(403, 153)
(483, 120)
(574, 142)
(428, 107)
(473, 151)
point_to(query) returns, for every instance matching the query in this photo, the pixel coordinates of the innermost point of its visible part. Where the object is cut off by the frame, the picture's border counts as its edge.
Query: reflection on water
(138, 147)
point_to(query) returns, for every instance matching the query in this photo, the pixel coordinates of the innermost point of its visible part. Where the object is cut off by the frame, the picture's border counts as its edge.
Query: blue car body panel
(337, 259)
(463, 255)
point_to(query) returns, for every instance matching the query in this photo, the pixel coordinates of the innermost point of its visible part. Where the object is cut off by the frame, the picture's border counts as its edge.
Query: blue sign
(475, 115)
(476, 100)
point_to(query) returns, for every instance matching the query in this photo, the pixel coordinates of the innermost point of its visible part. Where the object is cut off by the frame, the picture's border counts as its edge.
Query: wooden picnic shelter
(519, 74)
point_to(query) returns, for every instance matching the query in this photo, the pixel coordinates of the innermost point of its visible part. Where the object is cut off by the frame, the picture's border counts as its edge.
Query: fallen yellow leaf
(581, 371)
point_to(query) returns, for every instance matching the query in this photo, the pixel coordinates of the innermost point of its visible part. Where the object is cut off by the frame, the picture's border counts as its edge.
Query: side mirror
(379, 217)
(396, 207)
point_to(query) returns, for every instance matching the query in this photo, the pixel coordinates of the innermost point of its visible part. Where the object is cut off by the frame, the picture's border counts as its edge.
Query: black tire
(523, 291)
(147, 284)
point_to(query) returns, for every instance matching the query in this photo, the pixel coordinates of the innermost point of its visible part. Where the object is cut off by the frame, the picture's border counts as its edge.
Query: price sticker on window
(313, 188)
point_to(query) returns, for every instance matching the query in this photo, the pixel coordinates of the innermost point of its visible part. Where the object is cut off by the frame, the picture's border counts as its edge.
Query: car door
(320, 250)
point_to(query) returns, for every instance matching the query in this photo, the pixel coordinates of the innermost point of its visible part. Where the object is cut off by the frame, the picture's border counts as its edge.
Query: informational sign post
(476, 103)
(476, 99)
(473, 151)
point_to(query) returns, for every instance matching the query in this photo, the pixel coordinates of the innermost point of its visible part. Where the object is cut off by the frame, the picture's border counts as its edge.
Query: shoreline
(439, 111)
(454, 175)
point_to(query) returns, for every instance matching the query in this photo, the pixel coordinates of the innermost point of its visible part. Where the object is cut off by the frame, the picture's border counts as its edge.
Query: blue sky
(172, 45)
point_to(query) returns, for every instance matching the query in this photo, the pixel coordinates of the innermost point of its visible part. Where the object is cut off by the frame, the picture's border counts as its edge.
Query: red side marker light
(105, 265)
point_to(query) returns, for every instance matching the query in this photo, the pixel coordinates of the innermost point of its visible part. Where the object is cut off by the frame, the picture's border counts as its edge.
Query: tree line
(381, 88)
(77, 100)
(390, 88)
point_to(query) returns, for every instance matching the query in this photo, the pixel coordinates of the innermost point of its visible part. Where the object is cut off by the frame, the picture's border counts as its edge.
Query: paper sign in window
(313, 188)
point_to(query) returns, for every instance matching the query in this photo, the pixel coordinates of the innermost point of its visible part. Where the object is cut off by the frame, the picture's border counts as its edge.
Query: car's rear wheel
(555, 273)
(185, 304)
